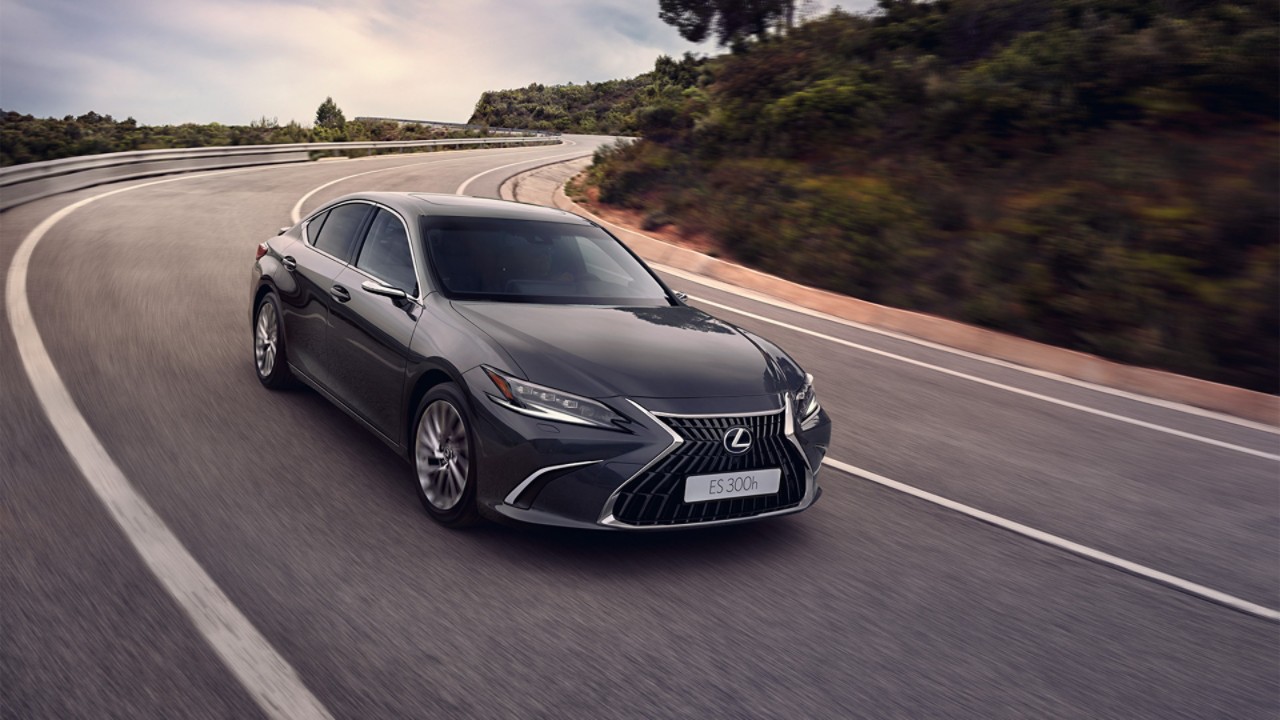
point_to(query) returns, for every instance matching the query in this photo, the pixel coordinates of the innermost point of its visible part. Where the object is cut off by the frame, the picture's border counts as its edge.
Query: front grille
(656, 496)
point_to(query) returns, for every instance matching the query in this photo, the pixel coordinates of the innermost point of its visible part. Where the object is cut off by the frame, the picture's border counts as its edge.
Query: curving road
(875, 603)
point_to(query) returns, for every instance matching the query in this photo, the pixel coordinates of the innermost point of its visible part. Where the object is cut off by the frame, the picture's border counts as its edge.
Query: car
(532, 368)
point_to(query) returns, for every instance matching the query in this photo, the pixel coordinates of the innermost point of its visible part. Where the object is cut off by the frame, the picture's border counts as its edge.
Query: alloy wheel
(442, 457)
(266, 339)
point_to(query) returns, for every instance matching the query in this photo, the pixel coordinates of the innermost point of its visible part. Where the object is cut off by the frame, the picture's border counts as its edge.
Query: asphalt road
(871, 604)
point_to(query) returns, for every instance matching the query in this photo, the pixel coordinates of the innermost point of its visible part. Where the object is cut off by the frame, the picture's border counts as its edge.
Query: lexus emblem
(737, 440)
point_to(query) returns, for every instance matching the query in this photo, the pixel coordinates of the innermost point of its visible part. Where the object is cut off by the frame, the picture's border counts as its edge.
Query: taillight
(262, 250)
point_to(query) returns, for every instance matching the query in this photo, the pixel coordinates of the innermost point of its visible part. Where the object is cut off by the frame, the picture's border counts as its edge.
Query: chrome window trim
(311, 243)
(413, 253)
(420, 298)
(306, 233)
(510, 499)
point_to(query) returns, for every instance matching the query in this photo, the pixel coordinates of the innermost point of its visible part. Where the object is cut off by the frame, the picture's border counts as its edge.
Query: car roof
(415, 203)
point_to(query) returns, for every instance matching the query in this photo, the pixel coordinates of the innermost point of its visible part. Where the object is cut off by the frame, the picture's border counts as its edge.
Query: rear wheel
(444, 458)
(269, 355)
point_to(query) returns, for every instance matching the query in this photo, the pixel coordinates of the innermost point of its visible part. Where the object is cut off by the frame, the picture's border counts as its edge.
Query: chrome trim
(311, 242)
(810, 478)
(805, 503)
(711, 415)
(374, 278)
(808, 422)
(420, 298)
(510, 499)
(381, 289)
(606, 513)
(732, 447)
(810, 482)
(811, 421)
(548, 414)
(412, 251)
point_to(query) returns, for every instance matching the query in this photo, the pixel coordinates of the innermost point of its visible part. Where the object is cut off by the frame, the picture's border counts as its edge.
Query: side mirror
(283, 230)
(682, 296)
(377, 288)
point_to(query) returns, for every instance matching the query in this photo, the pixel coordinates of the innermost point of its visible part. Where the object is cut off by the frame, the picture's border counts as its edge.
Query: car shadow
(609, 552)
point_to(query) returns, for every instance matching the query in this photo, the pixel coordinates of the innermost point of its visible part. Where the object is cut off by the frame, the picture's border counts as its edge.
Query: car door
(330, 244)
(370, 334)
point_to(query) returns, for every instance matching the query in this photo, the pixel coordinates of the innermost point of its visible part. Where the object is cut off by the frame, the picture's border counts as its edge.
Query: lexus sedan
(532, 368)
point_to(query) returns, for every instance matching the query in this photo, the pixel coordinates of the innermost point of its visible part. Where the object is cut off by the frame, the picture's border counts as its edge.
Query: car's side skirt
(314, 385)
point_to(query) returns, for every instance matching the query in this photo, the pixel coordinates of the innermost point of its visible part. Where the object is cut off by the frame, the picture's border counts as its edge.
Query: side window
(386, 255)
(337, 235)
(314, 225)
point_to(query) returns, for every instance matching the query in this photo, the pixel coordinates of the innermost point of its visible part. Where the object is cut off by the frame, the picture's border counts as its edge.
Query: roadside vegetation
(614, 107)
(1102, 176)
(24, 138)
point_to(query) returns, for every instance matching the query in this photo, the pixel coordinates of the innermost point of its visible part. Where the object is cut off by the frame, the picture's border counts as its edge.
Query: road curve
(872, 604)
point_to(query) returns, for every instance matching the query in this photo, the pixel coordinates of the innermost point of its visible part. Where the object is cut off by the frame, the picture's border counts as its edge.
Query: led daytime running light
(807, 400)
(550, 404)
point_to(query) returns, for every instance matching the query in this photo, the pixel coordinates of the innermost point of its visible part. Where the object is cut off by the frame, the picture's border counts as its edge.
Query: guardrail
(24, 183)
(460, 126)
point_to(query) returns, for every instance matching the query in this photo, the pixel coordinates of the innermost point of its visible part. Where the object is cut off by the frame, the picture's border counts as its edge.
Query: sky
(236, 61)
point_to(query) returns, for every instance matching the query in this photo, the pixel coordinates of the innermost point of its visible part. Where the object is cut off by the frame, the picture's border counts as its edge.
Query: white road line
(791, 307)
(267, 676)
(991, 383)
(296, 213)
(270, 680)
(1062, 543)
(767, 300)
(462, 189)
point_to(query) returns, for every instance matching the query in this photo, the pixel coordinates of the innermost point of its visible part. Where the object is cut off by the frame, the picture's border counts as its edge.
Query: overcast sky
(233, 61)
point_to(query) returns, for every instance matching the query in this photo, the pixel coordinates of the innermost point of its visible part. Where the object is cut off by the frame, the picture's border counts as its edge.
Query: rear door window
(314, 225)
(337, 235)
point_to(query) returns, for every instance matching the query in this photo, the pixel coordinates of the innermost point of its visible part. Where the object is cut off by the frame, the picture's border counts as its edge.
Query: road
(874, 603)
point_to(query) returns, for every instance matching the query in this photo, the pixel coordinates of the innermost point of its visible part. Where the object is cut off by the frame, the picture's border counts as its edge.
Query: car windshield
(536, 262)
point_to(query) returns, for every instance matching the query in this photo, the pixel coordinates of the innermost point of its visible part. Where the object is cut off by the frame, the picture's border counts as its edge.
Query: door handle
(339, 293)
(289, 263)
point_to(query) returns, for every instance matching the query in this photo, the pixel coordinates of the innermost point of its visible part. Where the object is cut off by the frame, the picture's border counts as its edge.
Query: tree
(329, 115)
(731, 21)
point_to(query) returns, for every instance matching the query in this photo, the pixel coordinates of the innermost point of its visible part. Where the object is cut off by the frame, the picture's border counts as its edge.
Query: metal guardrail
(460, 126)
(24, 183)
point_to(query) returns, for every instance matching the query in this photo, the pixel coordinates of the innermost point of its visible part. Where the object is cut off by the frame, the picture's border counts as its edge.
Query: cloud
(233, 61)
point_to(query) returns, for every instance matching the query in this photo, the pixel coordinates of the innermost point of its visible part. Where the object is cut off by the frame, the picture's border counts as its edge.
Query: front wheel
(444, 458)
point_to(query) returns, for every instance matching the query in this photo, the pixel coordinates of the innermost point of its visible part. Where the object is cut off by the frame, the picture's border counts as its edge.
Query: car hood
(657, 352)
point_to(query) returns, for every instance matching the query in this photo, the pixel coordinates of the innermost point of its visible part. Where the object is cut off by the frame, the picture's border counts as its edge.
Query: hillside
(25, 138)
(614, 107)
(1097, 175)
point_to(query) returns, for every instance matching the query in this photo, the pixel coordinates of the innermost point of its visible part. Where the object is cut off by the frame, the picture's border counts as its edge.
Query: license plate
(701, 488)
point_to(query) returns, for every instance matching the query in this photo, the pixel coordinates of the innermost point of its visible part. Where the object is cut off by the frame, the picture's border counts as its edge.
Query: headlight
(548, 404)
(807, 406)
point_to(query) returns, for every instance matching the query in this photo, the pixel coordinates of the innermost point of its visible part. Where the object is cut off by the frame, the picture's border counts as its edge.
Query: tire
(270, 359)
(444, 457)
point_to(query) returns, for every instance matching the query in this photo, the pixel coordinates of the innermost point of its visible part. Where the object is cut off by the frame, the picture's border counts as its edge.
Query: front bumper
(568, 475)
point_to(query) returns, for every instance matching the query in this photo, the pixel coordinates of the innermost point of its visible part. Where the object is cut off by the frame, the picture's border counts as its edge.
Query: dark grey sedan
(532, 368)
